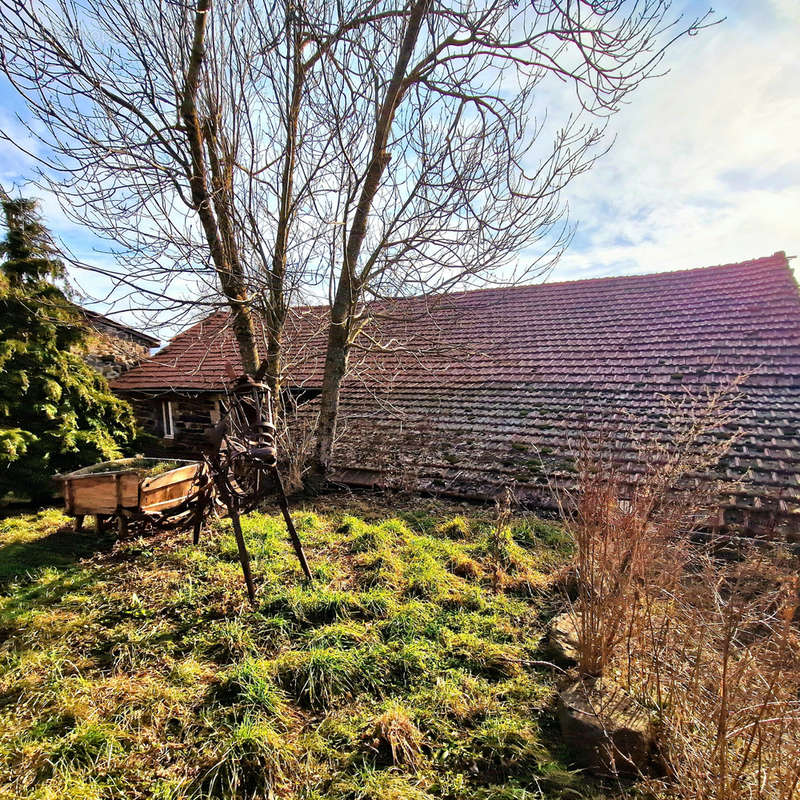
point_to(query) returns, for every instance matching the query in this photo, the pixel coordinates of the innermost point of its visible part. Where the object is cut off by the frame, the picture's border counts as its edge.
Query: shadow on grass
(61, 548)
(30, 597)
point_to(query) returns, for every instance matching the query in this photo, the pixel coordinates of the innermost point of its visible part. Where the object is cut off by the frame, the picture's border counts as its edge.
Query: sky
(705, 167)
(704, 170)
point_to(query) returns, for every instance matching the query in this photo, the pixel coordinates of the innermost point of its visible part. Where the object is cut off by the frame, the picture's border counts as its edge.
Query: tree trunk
(349, 290)
(216, 227)
(245, 337)
(335, 368)
(276, 316)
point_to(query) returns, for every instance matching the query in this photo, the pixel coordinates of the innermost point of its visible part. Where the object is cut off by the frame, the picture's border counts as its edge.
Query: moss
(502, 741)
(369, 783)
(362, 537)
(533, 532)
(482, 657)
(340, 634)
(456, 695)
(419, 520)
(456, 528)
(379, 568)
(464, 565)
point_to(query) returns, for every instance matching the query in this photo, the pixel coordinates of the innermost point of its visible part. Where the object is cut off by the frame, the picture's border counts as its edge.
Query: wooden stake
(284, 504)
(198, 523)
(78, 523)
(244, 556)
(201, 507)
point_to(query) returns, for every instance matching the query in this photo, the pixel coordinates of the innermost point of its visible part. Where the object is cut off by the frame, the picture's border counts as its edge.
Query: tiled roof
(102, 321)
(477, 379)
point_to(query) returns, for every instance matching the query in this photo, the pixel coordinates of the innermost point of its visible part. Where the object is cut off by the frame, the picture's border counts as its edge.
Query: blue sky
(705, 168)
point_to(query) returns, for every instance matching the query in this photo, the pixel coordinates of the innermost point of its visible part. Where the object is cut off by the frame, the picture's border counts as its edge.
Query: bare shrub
(395, 736)
(705, 637)
(725, 674)
(641, 489)
(295, 436)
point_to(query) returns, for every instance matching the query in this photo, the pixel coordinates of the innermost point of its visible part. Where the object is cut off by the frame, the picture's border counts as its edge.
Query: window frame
(167, 431)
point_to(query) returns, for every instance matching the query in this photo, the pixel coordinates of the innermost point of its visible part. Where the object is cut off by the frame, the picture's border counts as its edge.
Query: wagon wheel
(248, 482)
(243, 462)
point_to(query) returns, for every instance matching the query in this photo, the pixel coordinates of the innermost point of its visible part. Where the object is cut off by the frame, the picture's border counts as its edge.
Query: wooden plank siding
(101, 494)
(167, 490)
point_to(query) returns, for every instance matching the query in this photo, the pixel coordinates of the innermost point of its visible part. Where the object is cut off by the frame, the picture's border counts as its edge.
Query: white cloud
(788, 10)
(705, 169)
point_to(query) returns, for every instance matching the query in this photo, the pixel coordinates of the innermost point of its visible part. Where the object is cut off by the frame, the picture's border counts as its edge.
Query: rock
(606, 732)
(562, 637)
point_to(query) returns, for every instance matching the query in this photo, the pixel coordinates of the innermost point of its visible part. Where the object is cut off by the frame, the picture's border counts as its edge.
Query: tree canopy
(56, 412)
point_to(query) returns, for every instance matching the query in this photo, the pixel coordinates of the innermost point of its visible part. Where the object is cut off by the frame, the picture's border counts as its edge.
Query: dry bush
(295, 437)
(641, 489)
(395, 736)
(710, 644)
(724, 674)
(618, 557)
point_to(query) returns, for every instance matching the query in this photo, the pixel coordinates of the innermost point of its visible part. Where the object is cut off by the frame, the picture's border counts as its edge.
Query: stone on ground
(562, 637)
(606, 732)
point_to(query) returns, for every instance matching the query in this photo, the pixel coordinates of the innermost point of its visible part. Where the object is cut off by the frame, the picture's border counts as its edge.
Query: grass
(408, 670)
(31, 541)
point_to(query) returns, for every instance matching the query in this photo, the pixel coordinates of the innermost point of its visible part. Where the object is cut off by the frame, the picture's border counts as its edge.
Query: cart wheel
(247, 481)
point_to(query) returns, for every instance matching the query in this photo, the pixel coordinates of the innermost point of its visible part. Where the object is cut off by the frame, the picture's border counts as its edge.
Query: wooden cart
(128, 491)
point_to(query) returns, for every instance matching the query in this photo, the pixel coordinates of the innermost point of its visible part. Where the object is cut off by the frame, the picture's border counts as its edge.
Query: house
(481, 389)
(112, 347)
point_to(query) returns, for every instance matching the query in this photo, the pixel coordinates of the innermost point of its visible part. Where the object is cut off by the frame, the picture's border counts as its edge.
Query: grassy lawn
(407, 670)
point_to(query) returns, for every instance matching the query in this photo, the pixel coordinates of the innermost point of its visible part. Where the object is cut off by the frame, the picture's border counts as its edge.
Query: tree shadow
(61, 548)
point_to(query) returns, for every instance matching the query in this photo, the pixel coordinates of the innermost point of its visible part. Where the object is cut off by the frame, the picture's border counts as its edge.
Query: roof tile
(487, 368)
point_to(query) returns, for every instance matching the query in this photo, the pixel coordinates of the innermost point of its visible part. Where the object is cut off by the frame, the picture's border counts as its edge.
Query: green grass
(31, 541)
(405, 671)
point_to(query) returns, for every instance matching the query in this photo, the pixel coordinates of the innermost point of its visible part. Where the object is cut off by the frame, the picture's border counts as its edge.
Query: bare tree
(449, 168)
(179, 131)
(249, 150)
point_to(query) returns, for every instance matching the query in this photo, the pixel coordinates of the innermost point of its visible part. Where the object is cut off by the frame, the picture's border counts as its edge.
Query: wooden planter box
(123, 489)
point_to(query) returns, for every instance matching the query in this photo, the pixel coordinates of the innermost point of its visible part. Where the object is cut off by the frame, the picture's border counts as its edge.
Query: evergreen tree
(56, 412)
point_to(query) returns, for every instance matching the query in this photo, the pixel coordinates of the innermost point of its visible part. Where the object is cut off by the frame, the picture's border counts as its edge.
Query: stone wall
(111, 348)
(111, 355)
(191, 417)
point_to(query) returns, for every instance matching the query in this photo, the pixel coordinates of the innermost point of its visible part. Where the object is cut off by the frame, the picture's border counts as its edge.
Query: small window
(167, 427)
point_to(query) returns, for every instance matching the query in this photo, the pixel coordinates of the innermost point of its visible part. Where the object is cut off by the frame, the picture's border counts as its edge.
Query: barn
(470, 392)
